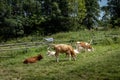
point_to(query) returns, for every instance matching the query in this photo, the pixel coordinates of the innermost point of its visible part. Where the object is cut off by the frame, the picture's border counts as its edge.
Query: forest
(19, 18)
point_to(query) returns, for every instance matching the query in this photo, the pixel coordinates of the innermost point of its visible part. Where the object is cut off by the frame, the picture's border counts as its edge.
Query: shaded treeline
(44, 17)
(23, 17)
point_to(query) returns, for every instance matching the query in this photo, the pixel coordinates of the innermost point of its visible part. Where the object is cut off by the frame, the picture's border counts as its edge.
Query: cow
(64, 48)
(84, 46)
(33, 59)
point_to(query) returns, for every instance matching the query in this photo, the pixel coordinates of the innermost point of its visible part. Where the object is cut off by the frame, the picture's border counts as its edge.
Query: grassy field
(102, 64)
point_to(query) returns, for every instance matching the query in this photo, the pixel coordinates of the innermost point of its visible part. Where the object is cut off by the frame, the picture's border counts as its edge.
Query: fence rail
(20, 46)
(27, 45)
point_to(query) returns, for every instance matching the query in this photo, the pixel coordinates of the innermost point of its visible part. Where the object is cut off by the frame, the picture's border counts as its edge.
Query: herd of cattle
(62, 48)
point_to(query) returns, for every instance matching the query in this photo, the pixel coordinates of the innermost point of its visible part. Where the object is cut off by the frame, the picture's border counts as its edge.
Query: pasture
(102, 64)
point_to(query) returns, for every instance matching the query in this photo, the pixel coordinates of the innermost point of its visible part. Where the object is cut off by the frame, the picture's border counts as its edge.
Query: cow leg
(73, 54)
(74, 57)
(57, 56)
(69, 55)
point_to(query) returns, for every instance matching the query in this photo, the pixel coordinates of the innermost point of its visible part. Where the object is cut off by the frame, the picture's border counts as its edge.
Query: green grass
(102, 64)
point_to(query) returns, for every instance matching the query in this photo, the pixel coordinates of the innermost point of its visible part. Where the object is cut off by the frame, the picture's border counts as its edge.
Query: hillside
(102, 64)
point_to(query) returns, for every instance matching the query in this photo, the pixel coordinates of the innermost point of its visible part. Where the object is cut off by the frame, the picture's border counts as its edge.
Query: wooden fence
(17, 46)
(27, 45)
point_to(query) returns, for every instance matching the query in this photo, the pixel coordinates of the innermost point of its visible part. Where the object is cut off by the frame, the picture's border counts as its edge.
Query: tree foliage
(114, 9)
(24, 17)
(111, 15)
(92, 13)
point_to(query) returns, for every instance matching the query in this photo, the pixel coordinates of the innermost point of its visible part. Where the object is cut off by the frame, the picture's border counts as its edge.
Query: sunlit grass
(101, 64)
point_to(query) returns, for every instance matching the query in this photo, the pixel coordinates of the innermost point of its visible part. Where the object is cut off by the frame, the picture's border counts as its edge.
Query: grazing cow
(64, 48)
(52, 53)
(84, 46)
(33, 59)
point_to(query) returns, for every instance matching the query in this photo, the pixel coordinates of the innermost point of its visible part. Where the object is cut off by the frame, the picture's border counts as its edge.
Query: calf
(33, 59)
(76, 51)
(64, 48)
(50, 53)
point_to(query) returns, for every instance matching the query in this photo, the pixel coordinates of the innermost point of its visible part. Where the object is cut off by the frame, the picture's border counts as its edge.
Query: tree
(114, 9)
(77, 13)
(63, 15)
(105, 21)
(24, 17)
(92, 13)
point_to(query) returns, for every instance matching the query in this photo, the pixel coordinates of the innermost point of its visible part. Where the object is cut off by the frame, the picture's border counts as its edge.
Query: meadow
(102, 64)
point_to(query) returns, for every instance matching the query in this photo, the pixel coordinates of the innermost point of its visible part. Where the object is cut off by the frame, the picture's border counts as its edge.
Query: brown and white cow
(84, 46)
(52, 53)
(64, 48)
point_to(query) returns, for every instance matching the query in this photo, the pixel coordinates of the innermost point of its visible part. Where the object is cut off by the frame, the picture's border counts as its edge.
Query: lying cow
(76, 51)
(33, 59)
(50, 53)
